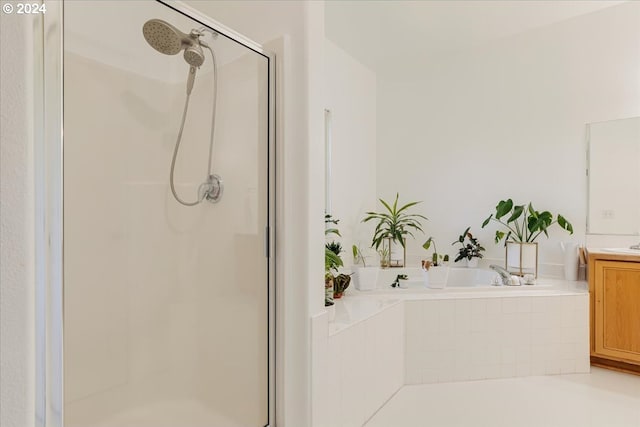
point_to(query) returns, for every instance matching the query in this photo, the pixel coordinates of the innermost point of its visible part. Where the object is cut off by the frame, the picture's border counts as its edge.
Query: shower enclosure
(159, 305)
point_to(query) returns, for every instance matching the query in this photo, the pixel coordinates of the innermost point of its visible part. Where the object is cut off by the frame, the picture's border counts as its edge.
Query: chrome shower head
(164, 37)
(167, 39)
(194, 55)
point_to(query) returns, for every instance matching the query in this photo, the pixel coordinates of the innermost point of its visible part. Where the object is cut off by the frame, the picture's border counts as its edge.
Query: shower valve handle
(211, 190)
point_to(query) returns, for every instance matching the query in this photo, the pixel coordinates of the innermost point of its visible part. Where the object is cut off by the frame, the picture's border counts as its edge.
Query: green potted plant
(365, 278)
(522, 226)
(340, 284)
(394, 225)
(332, 260)
(385, 256)
(437, 259)
(436, 270)
(341, 281)
(470, 248)
(358, 256)
(335, 247)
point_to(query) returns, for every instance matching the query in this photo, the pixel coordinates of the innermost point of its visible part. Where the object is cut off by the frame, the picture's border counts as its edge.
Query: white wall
(507, 119)
(16, 222)
(350, 95)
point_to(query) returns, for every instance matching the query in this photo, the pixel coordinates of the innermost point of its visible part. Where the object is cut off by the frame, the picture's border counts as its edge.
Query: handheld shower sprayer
(167, 39)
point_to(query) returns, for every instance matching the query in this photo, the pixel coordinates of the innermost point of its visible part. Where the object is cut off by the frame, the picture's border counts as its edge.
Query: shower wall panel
(166, 306)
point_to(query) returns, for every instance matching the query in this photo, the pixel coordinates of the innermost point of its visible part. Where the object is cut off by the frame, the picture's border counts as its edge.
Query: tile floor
(602, 398)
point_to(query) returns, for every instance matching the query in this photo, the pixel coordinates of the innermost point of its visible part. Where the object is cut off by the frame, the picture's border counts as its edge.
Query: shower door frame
(49, 202)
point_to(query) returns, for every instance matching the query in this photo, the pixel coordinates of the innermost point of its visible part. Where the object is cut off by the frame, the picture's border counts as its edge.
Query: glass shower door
(166, 306)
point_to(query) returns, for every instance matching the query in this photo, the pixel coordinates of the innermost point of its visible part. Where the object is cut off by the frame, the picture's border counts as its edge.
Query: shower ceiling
(384, 34)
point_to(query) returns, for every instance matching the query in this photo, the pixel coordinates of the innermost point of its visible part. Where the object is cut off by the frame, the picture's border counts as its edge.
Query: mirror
(614, 177)
(327, 161)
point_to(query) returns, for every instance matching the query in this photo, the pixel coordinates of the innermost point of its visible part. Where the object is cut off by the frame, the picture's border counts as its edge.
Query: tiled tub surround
(365, 358)
(496, 335)
(379, 340)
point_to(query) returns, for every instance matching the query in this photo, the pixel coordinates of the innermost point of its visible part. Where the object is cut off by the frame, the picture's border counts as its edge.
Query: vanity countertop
(612, 254)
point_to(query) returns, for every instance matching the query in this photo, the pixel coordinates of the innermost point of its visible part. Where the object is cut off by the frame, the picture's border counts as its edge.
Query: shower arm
(200, 32)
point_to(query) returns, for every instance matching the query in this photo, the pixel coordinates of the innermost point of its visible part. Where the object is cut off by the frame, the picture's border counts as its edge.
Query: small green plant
(358, 255)
(335, 247)
(340, 284)
(470, 247)
(394, 223)
(523, 223)
(436, 258)
(332, 260)
(396, 283)
(329, 221)
(385, 257)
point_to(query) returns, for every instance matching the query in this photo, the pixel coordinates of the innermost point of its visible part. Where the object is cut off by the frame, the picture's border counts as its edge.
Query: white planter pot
(522, 258)
(472, 263)
(436, 277)
(366, 278)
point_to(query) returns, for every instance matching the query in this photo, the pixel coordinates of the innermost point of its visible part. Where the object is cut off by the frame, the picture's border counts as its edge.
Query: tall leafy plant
(332, 260)
(394, 222)
(523, 223)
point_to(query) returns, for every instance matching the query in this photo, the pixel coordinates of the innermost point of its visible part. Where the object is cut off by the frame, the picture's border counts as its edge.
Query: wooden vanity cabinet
(614, 291)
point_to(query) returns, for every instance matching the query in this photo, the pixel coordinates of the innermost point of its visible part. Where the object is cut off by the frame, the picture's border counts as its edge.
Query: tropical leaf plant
(331, 262)
(394, 222)
(523, 223)
(470, 246)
